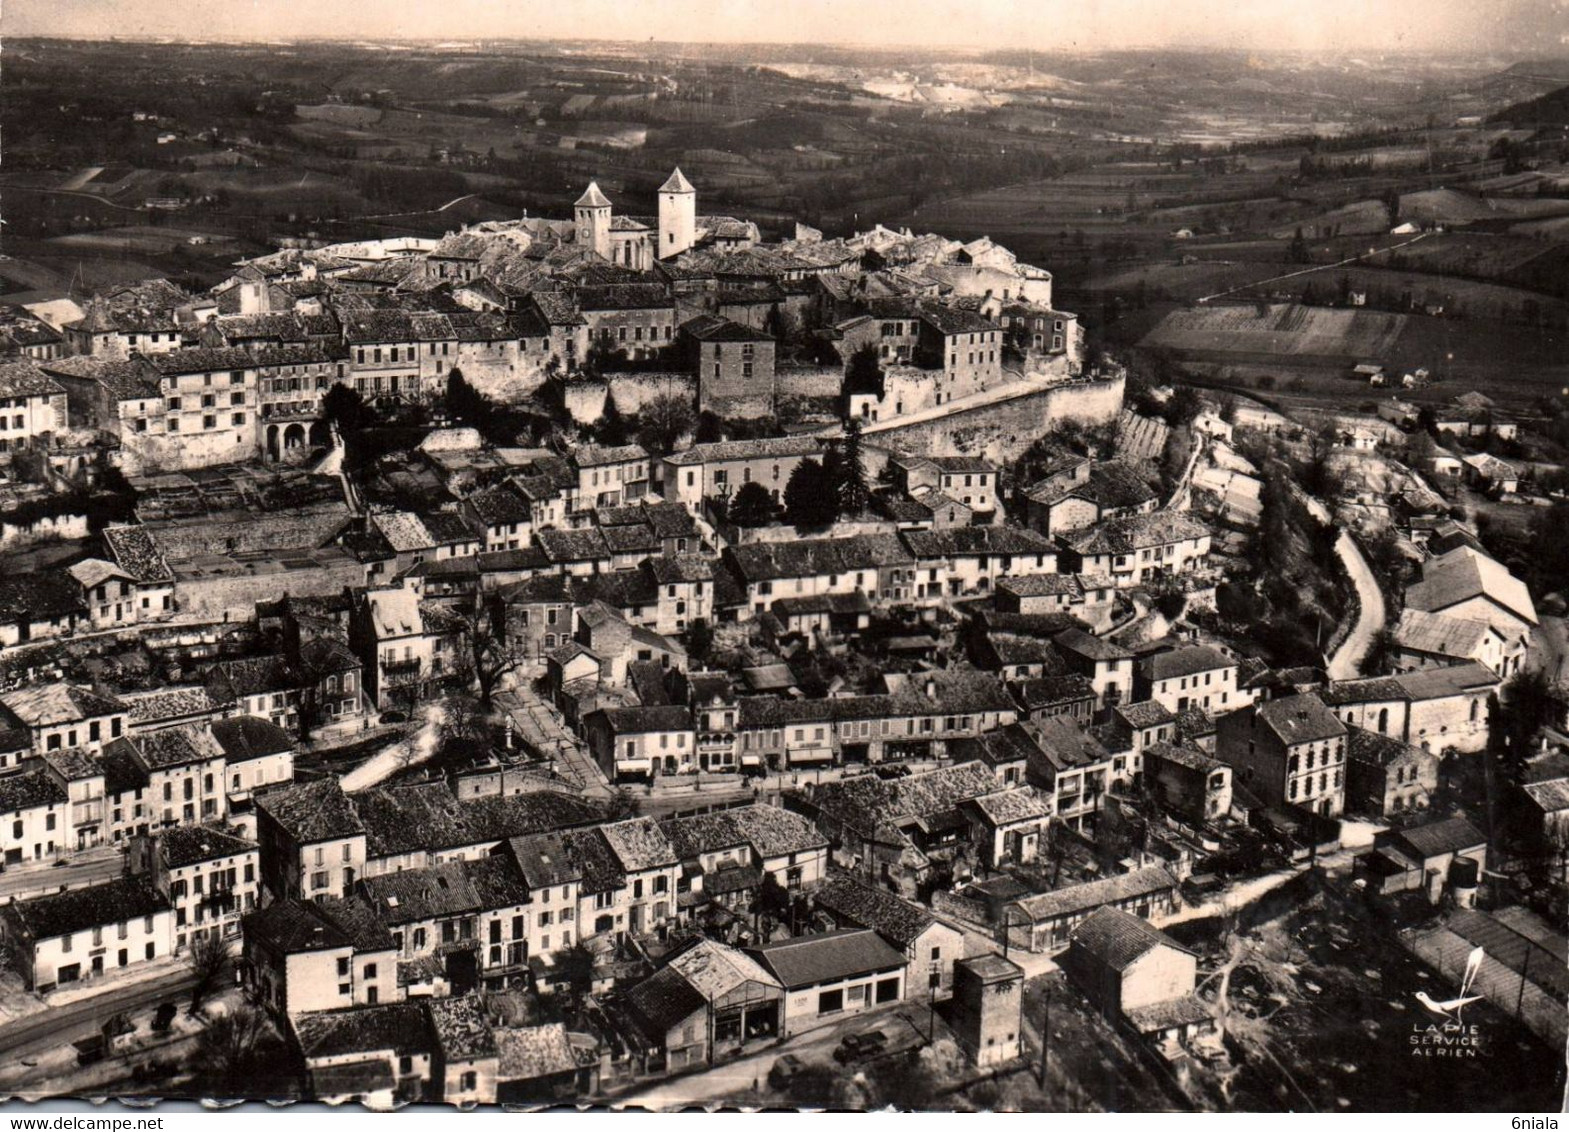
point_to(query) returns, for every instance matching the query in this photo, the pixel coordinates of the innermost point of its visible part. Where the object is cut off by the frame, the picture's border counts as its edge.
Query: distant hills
(1550, 109)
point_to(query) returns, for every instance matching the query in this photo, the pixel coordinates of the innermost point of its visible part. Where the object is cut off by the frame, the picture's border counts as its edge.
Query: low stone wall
(54, 528)
(585, 398)
(809, 381)
(1001, 431)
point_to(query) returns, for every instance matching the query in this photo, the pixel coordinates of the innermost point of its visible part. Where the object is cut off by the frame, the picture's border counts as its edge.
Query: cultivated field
(1279, 328)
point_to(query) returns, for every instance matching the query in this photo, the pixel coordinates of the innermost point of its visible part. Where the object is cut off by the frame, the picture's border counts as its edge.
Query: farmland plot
(1278, 328)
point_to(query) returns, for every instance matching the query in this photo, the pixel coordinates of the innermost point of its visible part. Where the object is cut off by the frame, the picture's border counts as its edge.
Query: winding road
(1346, 663)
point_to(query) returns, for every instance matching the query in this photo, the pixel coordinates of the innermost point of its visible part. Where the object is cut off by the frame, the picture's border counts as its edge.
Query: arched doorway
(294, 437)
(321, 435)
(272, 442)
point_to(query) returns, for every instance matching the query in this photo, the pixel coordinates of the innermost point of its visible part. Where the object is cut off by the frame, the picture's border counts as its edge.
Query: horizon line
(930, 49)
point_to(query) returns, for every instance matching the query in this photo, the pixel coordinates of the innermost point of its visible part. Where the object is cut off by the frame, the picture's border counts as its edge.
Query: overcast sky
(1519, 28)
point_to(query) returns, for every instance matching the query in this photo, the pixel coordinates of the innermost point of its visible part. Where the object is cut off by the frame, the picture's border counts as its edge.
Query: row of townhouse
(505, 905)
(182, 885)
(111, 785)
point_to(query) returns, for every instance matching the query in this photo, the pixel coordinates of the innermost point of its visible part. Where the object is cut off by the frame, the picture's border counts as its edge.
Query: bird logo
(1450, 1009)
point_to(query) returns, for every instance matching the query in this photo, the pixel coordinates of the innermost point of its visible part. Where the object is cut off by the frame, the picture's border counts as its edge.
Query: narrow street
(59, 1025)
(739, 1076)
(37, 878)
(419, 746)
(1346, 664)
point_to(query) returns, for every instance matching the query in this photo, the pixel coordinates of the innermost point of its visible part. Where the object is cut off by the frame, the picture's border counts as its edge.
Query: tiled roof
(1186, 661)
(764, 561)
(175, 746)
(1373, 749)
(1463, 574)
(829, 957)
(1136, 532)
(1146, 713)
(1080, 643)
(40, 705)
(1097, 893)
(1440, 635)
(642, 719)
(768, 830)
(1005, 807)
(245, 737)
(764, 448)
(1300, 719)
(1448, 835)
(1117, 938)
(639, 844)
(397, 1026)
(29, 789)
(135, 550)
(26, 379)
(293, 926)
(532, 1052)
(312, 811)
(664, 1000)
(958, 541)
(40, 594)
(715, 971)
(78, 909)
(867, 802)
(850, 900)
(183, 845)
(1189, 757)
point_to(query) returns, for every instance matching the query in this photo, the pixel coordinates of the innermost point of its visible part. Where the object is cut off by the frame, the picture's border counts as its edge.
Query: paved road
(1346, 664)
(59, 1025)
(93, 866)
(419, 746)
(903, 1022)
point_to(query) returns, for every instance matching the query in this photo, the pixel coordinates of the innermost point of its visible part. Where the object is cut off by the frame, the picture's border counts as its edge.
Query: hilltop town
(641, 657)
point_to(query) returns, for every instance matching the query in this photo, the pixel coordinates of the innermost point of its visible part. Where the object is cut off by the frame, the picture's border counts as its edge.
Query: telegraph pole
(1045, 1036)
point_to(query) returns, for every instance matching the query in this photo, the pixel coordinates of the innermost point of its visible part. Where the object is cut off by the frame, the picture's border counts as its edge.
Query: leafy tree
(1392, 206)
(1531, 700)
(467, 404)
(237, 1056)
(611, 428)
(1380, 655)
(488, 654)
(851, 493)
(622, 804)
(344, 407)
(1297, 252)
(699, 639)
(207, 957)
(808, 496)
(710, 429)
(1183, 406)
(752, 506)
(663, 421)
(864, 371)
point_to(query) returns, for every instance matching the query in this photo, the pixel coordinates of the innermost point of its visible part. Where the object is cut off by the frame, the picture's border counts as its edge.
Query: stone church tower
(677, 216)
(592, 213)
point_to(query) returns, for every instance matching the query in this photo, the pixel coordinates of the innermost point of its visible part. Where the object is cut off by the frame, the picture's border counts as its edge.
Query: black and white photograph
(733, 556)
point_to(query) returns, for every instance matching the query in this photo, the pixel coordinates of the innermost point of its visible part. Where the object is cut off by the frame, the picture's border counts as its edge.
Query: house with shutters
(84, 933)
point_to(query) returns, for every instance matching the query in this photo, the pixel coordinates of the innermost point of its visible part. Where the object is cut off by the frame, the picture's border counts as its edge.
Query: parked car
(164, 1018)
(784, 1071)
(861, 1047)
